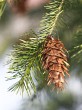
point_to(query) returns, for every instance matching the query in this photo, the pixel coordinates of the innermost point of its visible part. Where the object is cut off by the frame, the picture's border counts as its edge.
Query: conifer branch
(56, 17)
(76, 50)
(49, 22)
(2, 7)
(25, 57)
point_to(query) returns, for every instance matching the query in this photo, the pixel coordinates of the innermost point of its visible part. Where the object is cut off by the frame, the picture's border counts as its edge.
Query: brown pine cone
(54, 60)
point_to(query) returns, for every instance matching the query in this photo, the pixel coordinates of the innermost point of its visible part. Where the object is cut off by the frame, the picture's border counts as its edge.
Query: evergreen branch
(49, 22)
(24, 58)
(56, 17)
(24, 83)
(2, 7)
(76, 50)
(60, 16)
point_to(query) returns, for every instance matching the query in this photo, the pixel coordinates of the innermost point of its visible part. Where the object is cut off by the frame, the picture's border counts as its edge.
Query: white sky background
(8, 100)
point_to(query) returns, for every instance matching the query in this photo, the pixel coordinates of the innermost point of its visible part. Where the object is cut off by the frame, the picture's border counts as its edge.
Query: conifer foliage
(2, 6)
(43, 55)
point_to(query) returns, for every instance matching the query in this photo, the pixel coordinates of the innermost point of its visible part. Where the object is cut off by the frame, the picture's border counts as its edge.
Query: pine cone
(54, 61)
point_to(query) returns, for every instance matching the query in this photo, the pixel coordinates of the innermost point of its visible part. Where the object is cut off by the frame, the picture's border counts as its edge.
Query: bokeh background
(12, 25)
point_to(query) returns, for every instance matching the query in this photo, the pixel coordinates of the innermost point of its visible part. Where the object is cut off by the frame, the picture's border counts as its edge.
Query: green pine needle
(76, 50)
(2, 6)
(24, 58)
(48, 24)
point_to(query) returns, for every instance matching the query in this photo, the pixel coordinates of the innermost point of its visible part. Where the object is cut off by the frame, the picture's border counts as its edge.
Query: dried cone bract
(54, 61)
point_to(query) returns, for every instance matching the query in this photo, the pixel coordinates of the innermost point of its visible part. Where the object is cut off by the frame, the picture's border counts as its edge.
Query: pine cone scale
(54, 60)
